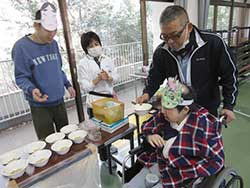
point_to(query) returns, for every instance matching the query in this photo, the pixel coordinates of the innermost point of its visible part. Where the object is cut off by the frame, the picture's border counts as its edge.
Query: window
(239, 1)
(239, 16)
(223, 18)
(210, 19)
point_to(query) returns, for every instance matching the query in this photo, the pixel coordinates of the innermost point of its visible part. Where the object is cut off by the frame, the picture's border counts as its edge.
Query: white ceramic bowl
(9, 157)
(69, 128)
(35, 146)
(15, 169)
(142, 109)
(52, 138)
(40, 158)
(62, 147)
(77, 136)
(151, 180)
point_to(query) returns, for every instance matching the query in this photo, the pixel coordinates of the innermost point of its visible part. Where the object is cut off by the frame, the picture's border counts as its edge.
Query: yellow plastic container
(108, 110)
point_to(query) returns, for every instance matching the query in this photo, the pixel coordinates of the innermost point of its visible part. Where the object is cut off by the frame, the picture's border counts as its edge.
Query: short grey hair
(173, 12)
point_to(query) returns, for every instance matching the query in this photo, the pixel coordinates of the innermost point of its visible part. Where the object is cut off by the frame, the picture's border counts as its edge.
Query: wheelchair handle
(222, 120)
(136, 150)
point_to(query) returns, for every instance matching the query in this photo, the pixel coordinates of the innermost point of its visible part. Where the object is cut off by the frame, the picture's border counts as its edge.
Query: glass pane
(239, 1)
(239, 17)
(223, 18)
(210, 17)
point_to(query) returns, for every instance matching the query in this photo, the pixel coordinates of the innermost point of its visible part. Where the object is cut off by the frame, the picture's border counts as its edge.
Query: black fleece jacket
(211, 64)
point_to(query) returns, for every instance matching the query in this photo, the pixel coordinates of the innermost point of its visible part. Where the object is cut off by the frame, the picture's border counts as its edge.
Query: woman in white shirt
(96, 72)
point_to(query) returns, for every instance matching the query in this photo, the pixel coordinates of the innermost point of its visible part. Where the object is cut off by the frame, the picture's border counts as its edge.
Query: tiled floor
(236, 137)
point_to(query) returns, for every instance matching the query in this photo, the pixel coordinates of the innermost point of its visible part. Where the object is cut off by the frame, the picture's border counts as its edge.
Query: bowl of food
(35, 146)
(62, 147)
(77, 136)
(9, 157)
(69, 128)
(142, 109)
(52, 138)
(40, 158)
(15, 169)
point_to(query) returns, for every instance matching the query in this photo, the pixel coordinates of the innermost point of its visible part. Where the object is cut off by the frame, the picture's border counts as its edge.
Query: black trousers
(44, 119)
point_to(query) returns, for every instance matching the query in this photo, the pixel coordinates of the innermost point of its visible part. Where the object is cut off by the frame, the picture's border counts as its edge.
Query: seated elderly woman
(186, 138)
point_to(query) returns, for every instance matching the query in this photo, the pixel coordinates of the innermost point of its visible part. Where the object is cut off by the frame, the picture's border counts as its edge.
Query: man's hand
(229, 114)
(72, 91)
(38, 97)
(155, 140)
(143, 98)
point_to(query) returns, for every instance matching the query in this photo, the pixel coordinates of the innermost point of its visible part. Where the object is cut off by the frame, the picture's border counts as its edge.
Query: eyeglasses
(45, 5)
(174, 36)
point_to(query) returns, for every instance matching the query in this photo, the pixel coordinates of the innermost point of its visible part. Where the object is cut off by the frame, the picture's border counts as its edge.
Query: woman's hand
(97, 79)
(155, 140)
(105, 76)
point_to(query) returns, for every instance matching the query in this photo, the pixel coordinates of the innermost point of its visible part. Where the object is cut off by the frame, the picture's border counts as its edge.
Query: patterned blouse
(196, 152)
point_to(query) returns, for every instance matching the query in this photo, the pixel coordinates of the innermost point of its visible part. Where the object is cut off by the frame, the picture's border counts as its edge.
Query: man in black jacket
(199, 59)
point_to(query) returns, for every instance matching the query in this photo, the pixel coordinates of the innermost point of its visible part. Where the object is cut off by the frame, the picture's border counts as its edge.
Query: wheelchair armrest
(190, 183)
(136, 150)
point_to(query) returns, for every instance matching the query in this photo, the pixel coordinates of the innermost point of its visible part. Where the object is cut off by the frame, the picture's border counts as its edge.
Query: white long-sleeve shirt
(88, 70)
(170, 141)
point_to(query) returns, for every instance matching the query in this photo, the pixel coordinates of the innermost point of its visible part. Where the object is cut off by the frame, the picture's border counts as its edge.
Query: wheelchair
(226, 178)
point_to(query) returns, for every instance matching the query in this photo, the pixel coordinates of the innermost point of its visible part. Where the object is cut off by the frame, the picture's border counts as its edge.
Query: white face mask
(95, 52)
(183, 45)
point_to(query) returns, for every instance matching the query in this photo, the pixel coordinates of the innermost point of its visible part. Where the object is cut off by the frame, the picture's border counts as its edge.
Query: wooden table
(76, 153)
(56, 163)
